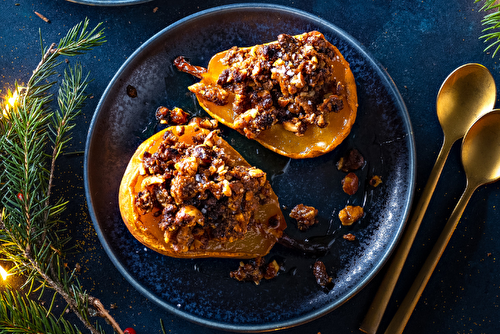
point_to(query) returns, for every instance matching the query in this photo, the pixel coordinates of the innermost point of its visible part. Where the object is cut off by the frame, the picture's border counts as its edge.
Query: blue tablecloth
(418, 42)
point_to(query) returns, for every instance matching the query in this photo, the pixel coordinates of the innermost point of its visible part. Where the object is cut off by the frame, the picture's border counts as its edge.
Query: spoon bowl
(481, 150)
(467, 93)
(481, 161)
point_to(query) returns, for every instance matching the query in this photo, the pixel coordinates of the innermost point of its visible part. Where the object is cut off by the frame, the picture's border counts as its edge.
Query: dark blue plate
(200, 290)
(109, 2)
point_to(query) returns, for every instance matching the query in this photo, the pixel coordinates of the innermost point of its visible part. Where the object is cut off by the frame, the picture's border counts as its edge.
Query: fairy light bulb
(12, 100)
(3, 273)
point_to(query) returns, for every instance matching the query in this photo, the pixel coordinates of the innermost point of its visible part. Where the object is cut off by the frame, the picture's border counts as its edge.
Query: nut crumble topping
(199, 191)
(256, 270)
(289, 82)
(305, 216)
(350, 214)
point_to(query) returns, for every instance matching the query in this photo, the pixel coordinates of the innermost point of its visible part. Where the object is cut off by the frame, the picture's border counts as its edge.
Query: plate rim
(106, 3)
(314, 314)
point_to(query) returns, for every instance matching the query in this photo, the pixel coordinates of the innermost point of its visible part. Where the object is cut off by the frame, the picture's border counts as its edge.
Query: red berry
(20, 197)
(129, 331)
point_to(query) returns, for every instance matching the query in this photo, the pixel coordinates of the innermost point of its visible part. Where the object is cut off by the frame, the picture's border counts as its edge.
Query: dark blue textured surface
(419, 43)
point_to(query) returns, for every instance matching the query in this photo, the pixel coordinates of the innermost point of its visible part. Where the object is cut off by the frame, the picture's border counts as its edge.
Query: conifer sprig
(27, 316)
(33, 133)
(491, 34)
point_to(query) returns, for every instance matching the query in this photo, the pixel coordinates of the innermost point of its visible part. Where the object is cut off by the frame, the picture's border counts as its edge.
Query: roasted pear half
(187, 193)
(296, 96)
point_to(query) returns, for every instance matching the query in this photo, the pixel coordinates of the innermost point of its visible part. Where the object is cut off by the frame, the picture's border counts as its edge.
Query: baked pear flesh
(296, 96)
(187, 193)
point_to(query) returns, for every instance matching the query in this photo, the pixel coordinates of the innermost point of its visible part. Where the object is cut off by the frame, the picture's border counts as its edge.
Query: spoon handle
(377, 308)
(404, 311)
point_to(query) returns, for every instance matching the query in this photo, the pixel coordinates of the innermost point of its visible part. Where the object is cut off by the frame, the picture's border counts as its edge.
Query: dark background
(418, 42)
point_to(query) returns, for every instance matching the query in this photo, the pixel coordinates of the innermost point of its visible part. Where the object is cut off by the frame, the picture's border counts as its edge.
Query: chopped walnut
(176, 116)
(350, 183)
(305, 216)
(256, 270)
(272, 270)
(131, 91)
(350, 214)
(212, 93)
(375, 181)
(145, 201)
(349, 237)
(332, 103)
(321, 275)
(352, 161)
(206, 123)
(296, 126)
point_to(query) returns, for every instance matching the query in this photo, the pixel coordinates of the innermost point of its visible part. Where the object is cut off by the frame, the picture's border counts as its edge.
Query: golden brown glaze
(286, 137)
(268, 221)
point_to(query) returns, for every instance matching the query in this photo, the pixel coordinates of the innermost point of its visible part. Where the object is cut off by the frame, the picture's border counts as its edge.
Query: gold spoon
(467, 93)
(481, 161)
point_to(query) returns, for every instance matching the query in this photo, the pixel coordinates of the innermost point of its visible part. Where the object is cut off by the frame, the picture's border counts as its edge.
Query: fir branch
(71, 99)
(22, 315)
(71, 293)
(492, 22)
(77, 41)
(30, 236)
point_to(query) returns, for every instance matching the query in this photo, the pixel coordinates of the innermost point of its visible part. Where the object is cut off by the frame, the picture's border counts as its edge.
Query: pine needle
(22, 315)
(491, 22)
